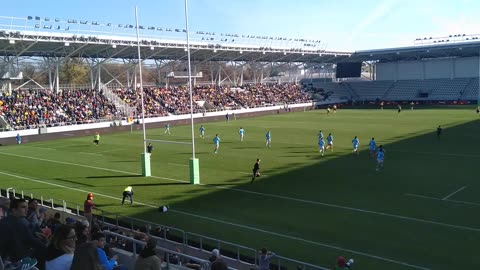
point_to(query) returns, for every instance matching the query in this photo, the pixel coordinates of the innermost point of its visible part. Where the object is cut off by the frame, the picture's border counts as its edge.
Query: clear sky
(340, 24)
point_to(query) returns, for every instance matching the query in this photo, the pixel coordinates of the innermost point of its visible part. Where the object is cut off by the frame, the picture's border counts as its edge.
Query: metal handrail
(204, 263)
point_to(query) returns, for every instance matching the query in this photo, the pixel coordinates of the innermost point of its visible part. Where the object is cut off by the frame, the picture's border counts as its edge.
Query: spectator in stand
(264, 259)
(54, 222)
(148, 259)
(17, 240)
(33, 215)
(342, 264)
(108, 264)
(4, 205)
(83, 233)
(217, 262)
(61, 248)
(86, 258)
(214, 256)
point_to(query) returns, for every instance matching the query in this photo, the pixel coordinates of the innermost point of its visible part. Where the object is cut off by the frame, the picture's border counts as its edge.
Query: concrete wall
(447, 68)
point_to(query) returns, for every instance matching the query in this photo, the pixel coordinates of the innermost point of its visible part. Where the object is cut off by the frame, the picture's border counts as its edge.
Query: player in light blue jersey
(216, 141)
(320, 135)
(268, 139)
(167, 129)
(241, 132)
(380, 158)
(329, 142)
(373, 147)
(356, 144)
(202, 132)
(321, 146)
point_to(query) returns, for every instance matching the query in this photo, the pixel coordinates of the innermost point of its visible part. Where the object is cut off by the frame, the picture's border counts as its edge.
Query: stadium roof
(45, 44)
(459, 49)
(41, 44)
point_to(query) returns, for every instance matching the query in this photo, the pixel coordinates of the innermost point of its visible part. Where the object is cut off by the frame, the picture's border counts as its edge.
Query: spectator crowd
(30, 109)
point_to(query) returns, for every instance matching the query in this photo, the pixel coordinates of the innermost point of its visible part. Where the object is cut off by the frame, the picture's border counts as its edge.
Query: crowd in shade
(29, 109)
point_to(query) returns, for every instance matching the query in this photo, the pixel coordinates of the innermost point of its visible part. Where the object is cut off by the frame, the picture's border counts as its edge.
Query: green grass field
(420, 212)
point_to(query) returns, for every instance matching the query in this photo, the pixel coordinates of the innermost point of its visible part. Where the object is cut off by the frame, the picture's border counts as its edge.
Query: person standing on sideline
(216, 141)
(167, 129)
(329, 142)
(96, 139)
(87, 209)
(399, 108)
(19, 138)
(439, 131)
(128, 192)
(256, 170)
(268, 139)
(264, 259)
(202, 132)
(381, 105)
(149, 148)
(380, 158)
(355, 144)
(227, 117)
(242, 133)
(372, 146)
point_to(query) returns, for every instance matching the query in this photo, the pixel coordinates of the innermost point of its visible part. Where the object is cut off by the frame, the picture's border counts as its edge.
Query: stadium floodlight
(214, 50)
(241, 52)
(29, 18)
(114, 46)
(83, 22)
(95, 23)
(11, 41)
(67, 44)
(159, 29)
(57, 19)
(37, 18)
(186, 49)
(47, 19)
(109, 24)
(67, 28)
(37, 25)
(120, 25)
(152, 48)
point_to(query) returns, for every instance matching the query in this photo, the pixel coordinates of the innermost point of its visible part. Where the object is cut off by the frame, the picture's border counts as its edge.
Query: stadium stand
(126, 237)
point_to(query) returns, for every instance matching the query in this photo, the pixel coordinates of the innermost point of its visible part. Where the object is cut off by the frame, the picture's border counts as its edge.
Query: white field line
(227, 223)
(177, 164)
(42, 147)
(107, 151)
(250, 173)
(86, 153)
(453, 193)
(266, 195)
(438, 199)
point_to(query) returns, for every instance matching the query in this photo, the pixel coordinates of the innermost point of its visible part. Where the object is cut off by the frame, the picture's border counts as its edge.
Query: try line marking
(265, 195)
(226, 222)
